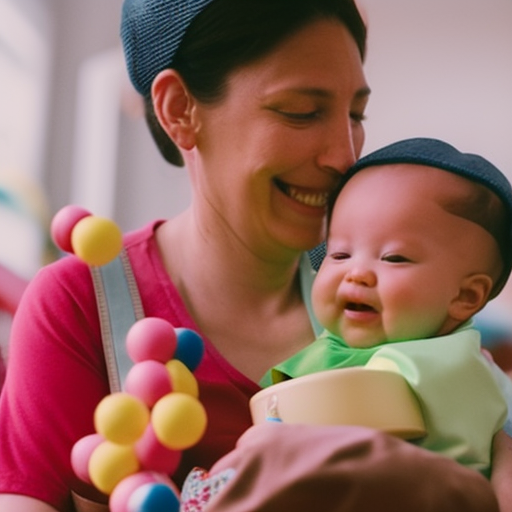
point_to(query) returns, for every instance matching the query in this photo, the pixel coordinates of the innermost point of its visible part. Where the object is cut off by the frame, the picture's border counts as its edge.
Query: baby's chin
(370, 341)
(364, 343)
(360, 340)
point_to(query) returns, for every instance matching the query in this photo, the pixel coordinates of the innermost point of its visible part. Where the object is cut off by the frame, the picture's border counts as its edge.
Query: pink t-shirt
(2, 371)
(57, 376)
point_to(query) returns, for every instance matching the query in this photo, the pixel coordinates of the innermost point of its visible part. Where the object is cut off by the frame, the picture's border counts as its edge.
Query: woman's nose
(361, 276)
(340, 149)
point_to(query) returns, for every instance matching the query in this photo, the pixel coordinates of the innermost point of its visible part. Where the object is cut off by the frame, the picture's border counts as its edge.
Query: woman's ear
(174, 108)
(473, 295)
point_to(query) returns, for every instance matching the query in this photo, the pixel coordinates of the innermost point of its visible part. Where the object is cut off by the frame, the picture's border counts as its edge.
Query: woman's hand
(501, 478)
(23, 504)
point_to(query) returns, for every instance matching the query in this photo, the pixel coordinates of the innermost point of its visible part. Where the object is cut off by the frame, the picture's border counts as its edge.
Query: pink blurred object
(149, 381)
(12, 287)
(81, 453)
(154, 456)
(151, 338)
(63, 223)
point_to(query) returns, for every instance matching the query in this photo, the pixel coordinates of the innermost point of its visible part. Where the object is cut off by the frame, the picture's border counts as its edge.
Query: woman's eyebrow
(363, 92)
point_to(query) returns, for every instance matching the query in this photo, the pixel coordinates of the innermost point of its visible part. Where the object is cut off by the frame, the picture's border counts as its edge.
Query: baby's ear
(174, 108)
(473, 295)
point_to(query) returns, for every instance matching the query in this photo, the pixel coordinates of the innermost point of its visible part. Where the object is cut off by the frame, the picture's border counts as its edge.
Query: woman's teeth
(316, 199)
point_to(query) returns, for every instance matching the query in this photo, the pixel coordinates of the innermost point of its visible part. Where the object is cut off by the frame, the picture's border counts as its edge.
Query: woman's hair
(229, 34)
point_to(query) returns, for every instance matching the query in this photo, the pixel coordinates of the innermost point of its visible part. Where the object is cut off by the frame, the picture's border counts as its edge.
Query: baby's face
(395, 259)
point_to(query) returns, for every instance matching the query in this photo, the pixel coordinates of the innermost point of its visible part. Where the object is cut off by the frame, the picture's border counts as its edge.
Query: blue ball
(154, 497)
(190, 348)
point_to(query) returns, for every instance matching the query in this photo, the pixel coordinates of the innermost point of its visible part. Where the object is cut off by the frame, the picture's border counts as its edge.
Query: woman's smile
(305, 196)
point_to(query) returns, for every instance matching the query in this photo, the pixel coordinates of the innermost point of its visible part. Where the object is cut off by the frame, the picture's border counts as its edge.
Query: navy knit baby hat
(151, 32)
(439, 154)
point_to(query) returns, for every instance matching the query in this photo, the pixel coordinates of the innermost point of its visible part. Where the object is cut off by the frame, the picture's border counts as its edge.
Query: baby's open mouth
(316, 199)
(357, 306)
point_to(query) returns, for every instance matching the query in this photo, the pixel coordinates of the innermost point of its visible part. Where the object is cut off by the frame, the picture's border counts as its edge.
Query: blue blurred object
(190, 348)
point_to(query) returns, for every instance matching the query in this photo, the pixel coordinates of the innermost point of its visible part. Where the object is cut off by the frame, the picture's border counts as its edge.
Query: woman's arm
(23, 504)
(501, 478)
(280, 466)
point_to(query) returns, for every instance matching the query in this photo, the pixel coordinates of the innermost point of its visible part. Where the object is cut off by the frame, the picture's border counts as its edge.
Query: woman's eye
(357, 117)
(395, 258)
(301, 116)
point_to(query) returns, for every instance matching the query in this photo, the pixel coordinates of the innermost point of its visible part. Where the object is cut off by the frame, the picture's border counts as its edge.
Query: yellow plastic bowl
(378, 399)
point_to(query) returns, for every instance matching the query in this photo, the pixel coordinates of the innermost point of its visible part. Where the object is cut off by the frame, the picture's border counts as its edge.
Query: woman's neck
(235, 296)
(197, 260)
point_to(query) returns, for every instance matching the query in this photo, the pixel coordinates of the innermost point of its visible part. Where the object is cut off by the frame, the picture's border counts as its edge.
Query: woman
(264, 102)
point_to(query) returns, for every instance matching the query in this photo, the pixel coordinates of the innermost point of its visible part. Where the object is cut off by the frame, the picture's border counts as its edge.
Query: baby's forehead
(422, 180)
(407, 197)
(395, 196)
(409, 172)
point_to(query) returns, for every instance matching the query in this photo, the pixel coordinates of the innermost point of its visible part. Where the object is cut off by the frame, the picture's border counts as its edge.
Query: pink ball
(63, 223)
(81, 453)
(151, 338)
(154, 456)
(121, 494)
(149, 381)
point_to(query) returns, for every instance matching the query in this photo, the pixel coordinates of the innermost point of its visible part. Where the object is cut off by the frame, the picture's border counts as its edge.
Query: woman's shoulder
(68, 272)
(142, 248)
(143, 235)
(72, 274)
(59, 297)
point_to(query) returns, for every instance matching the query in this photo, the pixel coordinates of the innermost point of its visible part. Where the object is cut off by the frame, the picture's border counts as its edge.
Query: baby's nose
(362, 276)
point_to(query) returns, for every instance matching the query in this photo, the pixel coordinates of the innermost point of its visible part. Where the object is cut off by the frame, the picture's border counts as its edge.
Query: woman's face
(270, 152)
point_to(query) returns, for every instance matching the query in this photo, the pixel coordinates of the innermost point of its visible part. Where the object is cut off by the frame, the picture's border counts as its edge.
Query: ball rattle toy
(121, 418)
(110, 463)
(151, 339)
(95, 240)
(140, 432)
(134, 491)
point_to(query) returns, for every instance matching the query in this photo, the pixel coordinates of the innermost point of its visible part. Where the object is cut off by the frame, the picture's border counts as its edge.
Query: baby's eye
(338, 256)
(395, 258)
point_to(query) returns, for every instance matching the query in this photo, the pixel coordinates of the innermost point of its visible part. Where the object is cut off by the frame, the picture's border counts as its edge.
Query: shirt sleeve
(505, 384)
(462, 404)
(56, 376)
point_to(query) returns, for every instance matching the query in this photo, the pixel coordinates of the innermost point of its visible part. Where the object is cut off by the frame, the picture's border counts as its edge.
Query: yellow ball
(182, 379)
(179, 421)
(121, 418)
(96, 240)
(110, 463)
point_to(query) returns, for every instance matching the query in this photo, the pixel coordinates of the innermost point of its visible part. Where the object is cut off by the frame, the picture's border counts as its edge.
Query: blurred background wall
(72, 131)
(71, 124)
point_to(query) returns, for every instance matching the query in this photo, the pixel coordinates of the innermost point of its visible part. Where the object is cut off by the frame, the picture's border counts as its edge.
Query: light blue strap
(119, 307)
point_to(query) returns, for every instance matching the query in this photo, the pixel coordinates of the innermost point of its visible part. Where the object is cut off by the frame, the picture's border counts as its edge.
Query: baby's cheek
(323, 297)
(329, 315)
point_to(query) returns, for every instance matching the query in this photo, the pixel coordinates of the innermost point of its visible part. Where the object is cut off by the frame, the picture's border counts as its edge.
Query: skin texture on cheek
(261, 170)
(426, 278)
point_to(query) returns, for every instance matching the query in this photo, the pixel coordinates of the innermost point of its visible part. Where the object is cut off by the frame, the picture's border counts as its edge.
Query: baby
(406, 269)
